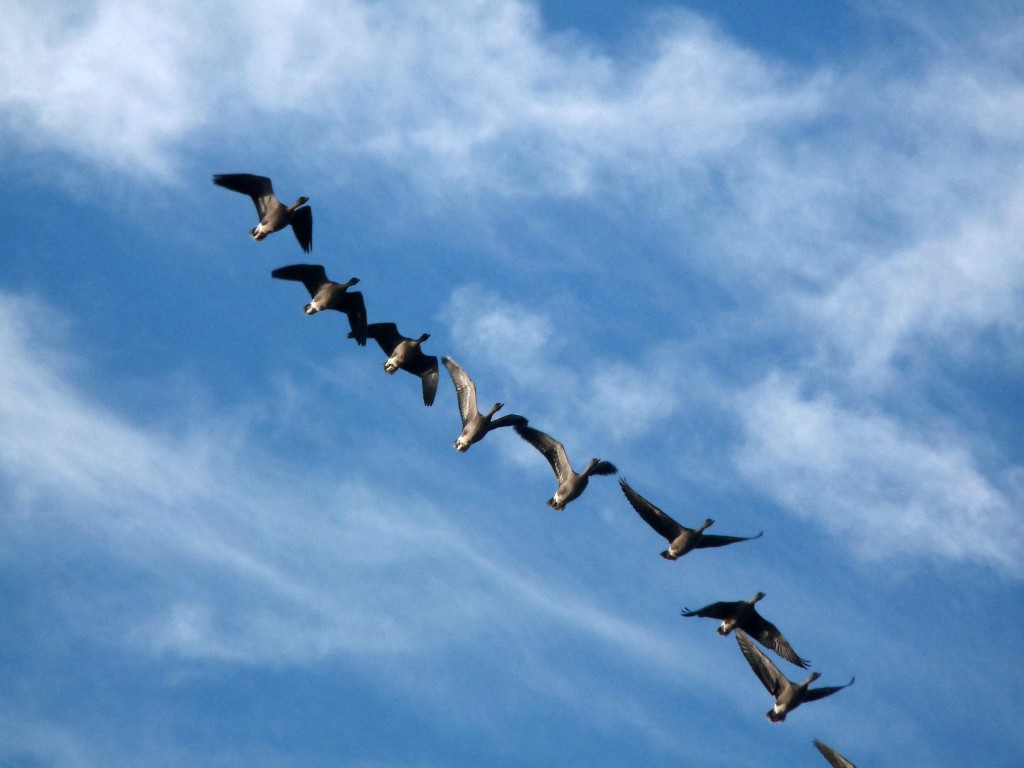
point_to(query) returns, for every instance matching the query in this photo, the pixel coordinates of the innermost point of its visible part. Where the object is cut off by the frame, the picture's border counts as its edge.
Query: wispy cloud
(270, 563)
(478, 94)
(108, 84)
(869, 479)
(577, 383)
(940, 291)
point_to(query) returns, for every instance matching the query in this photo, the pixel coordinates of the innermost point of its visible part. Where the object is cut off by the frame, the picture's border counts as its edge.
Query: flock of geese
(739, 617)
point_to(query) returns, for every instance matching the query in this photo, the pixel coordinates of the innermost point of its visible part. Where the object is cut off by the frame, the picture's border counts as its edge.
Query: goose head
(706, 524)
(299, 203)
(497, 407)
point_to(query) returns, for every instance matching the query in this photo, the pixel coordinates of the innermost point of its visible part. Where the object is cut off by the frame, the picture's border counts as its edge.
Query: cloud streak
(478, 94)
(870, 480)
(266, 570)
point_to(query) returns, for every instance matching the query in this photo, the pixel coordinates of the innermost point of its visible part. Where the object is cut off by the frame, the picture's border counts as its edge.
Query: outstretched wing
(713, 540)
(353, 305)
(465, 389)
(766, 672)
(654, 517)
(509, 420)
(385, 334)
(258, 188)
(424, 366)
(313, 276)
(768, 635)
(302, 226)
(834, 758)
(721, 610)
(813, 694)
(551, 449)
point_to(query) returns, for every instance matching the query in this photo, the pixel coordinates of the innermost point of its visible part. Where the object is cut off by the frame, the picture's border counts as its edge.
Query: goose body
(570, 484)
(327, 294)
(274, 215)
(742, 614)
(680, 538)
(475, 424)
(405, 353)
(788, 695)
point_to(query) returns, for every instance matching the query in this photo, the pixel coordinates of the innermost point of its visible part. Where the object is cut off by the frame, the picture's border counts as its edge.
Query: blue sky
(768, 262)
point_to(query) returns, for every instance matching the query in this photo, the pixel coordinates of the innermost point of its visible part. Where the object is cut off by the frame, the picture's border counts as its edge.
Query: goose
(328, 294)
(680, 538)
(405, 353)
(274, 215)
(788, 695)
(834, 758)
(742, 614)
(570, 484)
(475, 424)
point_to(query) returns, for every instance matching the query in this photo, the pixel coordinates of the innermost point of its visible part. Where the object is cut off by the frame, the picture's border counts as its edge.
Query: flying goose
(570, 484)
(834, 758)
(405, 353)
(742, 614)
(274, 215)
(788, 695)
(475, 424)
(328, 294)
(680, 538)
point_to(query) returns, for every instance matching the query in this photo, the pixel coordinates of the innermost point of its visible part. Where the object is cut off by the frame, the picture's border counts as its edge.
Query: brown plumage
(570, 483)
(680, 538)
(741, 614)
(788, 695)
(327, 294)
(274, 215)
(475, 424)
(405, 353)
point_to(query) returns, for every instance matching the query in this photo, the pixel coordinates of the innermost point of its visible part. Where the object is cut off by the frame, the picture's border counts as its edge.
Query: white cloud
(885, 489)
(476, 93)
(251, 558)
(108, 84)
(512, 338)
(586, 392)
(938, 292)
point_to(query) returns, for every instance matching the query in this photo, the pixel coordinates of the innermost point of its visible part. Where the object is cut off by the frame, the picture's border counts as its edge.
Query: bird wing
(302, 226)
(654, 517)
(813, 694)
(834, 758)
(714, 540)
(313, 276)
(551, 449)
(385, 334)
(768, 635)
(353, 305)
(766, 672)
(258, 188)
(721, 610)
(424, 366)
(465, 389)
(509, 420)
